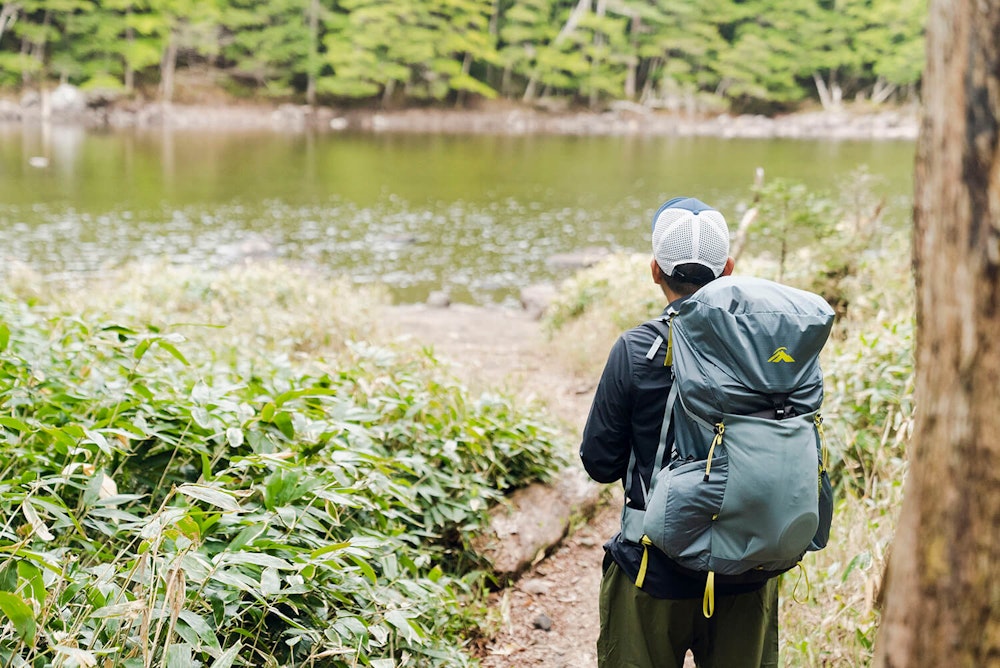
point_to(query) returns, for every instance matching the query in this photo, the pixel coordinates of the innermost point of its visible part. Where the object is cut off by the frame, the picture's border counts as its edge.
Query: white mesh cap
(688, 231)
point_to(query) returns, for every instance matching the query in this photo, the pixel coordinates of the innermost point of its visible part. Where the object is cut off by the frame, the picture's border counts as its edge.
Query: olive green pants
(639, 631)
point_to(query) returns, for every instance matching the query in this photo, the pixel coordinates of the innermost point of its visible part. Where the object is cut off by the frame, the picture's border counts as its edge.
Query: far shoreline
(620, 119)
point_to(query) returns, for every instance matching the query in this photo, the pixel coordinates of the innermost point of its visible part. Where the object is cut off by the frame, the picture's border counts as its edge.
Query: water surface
(479, 216)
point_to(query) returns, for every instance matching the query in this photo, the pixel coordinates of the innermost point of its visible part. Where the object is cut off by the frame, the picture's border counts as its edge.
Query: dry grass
(248, 310)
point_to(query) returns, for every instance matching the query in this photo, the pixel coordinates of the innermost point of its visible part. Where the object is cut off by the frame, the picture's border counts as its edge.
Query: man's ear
(655, 270)
(730, 265)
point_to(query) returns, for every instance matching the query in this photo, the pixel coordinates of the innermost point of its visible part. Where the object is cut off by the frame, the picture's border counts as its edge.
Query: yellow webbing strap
(641, 577)
(668, 359)
(720, 429)
(708, 602)
(803, 575)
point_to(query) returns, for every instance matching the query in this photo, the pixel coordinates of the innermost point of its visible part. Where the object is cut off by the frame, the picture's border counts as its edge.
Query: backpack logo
(780, 355)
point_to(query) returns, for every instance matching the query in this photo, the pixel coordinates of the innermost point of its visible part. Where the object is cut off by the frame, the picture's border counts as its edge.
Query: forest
(744, 56)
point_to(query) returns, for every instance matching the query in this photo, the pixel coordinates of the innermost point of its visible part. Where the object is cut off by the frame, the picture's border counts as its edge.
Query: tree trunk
(167, 69)
(582, 7)
(943, 596)
(466, 68)
(130, 39)
(313, 52)
(882, 90)
(648, 84)
(633, 62)
(824, 93)
(600, 10)
(8, 14)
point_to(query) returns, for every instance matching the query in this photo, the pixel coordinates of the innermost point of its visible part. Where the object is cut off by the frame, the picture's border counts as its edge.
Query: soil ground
(507, 349)
(549, 617)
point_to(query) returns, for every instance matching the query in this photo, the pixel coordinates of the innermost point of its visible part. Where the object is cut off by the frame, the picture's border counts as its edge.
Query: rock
(578, 259)
(536, 298)
(290, 116)
(543, 622)
(31, 99)
(534, 586)
(67, 100)
(9, 111)
(439, 299)
(534, 519)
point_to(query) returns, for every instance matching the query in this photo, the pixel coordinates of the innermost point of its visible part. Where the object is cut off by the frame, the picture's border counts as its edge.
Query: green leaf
(36, 522)
(179, 656)
(234, 436)
(33, 576)
(20, 615)
(141, 349)
(210, 495)
(333, 547)
(365, 567)
(4, 336)
(283, 421)
(15, 424)
(254, 558)
(402, 624)
(226, 659)
(170, 348)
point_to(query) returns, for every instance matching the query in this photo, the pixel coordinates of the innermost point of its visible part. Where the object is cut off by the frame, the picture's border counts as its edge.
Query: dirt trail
(549, 618)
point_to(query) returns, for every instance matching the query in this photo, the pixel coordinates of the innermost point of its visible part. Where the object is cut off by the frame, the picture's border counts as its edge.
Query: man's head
(690, 246)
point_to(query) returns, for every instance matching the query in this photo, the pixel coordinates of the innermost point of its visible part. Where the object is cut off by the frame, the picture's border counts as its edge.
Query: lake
(478, 216)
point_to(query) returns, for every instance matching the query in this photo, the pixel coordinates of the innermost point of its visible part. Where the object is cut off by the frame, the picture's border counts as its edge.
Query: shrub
(168, 502)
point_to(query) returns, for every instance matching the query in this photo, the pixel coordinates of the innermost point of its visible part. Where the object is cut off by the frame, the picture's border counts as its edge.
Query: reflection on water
(478, 216)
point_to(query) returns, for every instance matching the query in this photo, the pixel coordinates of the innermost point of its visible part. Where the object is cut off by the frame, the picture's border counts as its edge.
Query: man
(655, 624)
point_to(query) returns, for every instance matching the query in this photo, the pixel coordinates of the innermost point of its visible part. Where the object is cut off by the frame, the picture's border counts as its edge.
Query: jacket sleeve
(607, 436)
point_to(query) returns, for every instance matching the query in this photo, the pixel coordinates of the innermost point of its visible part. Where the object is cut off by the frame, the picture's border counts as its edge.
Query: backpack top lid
(757, 333)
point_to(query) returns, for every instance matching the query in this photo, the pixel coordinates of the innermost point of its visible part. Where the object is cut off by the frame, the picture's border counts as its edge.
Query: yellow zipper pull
(641, 577)
(720, 429)
(824, 453)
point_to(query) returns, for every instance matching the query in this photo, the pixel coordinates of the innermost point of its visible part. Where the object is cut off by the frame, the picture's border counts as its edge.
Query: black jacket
(627, 415)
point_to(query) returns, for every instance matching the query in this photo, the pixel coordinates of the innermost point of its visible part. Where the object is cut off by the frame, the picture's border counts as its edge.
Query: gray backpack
(745, 491)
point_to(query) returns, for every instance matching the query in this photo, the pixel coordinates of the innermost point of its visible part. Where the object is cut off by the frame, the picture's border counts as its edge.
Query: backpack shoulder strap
(663, 334)
(632, 517)
(663, 330)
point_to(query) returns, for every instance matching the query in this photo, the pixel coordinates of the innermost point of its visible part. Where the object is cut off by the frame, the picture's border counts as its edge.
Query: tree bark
(313, 52)
(130, 40)
(633, 61)
(581, 8)
(943, 596)
(167, 68)
(8, 15)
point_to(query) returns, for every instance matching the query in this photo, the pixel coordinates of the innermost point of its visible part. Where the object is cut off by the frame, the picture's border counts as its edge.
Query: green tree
(891, 45)
(191, 28)
(268, 45)
(134, 36)
(524, 27)
(766, 53)
(41, 30)
(426, 48)
(681, 48)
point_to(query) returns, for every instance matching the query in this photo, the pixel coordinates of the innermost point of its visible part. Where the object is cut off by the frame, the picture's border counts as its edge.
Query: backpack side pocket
(682, 509)
(770, 513)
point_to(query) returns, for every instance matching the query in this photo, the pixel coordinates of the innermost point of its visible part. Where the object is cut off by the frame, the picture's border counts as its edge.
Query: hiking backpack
(745, 490)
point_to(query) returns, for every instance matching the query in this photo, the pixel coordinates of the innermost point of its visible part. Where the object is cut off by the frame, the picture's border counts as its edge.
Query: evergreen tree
(267, 44)
(424, 47)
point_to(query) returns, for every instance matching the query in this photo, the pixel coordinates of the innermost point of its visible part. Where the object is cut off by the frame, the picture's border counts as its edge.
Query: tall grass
(842, 247)
(257, 488)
